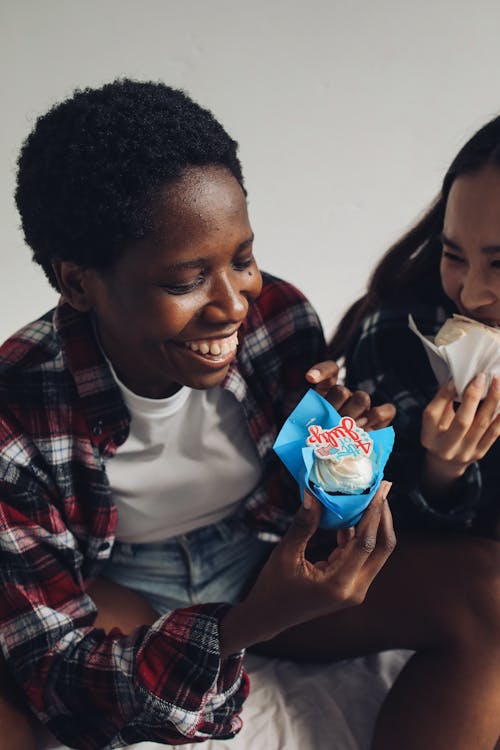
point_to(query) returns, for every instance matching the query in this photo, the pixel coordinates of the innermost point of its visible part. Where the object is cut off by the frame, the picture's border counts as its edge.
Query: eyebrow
(201, 261)
(488, 249)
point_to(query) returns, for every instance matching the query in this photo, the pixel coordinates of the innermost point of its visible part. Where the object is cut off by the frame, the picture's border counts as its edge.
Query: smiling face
(470, 263)
(169, 311)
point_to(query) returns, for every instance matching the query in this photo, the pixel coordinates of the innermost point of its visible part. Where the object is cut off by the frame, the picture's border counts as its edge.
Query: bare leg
(17, 729)
(441, 598)
(119, 607)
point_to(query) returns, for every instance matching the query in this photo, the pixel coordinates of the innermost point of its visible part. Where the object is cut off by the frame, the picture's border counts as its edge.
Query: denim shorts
(216, 563)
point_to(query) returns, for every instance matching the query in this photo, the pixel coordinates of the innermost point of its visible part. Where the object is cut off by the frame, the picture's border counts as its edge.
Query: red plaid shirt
(61, 418)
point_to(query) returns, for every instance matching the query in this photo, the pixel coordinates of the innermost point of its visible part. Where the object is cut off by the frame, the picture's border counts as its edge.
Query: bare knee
(442, 591)
(16, 727)
(467, 595)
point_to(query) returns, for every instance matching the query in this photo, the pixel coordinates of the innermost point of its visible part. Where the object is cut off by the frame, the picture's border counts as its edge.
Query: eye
(242, 264)
(495, 263)
(453, 257)
(183, 288)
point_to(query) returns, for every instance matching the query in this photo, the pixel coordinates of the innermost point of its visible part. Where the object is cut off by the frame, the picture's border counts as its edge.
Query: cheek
(450, 281)
(166, 317)
(254, 282)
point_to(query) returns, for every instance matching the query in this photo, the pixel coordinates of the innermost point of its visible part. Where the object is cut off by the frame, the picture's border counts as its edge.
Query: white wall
(347, 113)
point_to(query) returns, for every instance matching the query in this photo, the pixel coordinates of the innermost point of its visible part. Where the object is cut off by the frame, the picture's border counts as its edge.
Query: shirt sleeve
(164, 683)
(388, 361)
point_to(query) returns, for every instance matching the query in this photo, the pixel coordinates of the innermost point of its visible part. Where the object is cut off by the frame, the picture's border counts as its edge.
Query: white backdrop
(347, 113)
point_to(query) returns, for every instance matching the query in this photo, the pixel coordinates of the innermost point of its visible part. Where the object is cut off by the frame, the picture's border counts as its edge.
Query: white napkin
(472, 353)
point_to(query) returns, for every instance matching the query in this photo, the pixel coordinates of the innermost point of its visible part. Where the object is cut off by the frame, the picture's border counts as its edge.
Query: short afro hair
(91, 171)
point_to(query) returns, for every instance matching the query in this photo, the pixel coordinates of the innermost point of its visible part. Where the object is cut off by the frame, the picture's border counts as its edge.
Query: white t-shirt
(187, 462)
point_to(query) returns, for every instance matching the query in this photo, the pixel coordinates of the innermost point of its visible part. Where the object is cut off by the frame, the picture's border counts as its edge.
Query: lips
(214, 347)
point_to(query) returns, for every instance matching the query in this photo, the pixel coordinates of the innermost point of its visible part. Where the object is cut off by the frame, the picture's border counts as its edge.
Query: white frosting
(348, 475)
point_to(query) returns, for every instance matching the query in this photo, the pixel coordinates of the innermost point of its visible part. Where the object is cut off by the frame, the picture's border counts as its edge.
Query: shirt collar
(100, 397)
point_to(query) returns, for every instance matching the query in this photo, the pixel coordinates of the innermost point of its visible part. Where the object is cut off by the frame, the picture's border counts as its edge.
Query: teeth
(222, 347)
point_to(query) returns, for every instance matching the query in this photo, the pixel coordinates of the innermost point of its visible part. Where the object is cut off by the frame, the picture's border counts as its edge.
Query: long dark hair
(411, 265)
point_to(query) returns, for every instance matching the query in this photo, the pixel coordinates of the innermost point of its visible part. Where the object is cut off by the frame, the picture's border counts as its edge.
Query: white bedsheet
(307, 707)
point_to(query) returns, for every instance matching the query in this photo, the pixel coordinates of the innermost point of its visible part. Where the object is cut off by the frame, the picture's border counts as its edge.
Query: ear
(74, 284)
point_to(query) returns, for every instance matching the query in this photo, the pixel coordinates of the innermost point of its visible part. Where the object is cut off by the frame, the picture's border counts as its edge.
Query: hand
(323, 376)
(291, 590)
(455, 439)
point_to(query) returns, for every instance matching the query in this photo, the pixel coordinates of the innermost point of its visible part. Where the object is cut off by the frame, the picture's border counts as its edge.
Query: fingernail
(361, 421)
(496, 383)
(307, 502)
(387, 487)
(314, 374)
(480, 380)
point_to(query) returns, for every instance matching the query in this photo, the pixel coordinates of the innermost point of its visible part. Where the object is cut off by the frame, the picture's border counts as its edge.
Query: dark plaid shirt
(61, 418)
(388, 360)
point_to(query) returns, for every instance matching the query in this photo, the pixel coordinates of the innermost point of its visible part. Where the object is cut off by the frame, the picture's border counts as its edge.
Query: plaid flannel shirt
(61, 418)
(387, 359)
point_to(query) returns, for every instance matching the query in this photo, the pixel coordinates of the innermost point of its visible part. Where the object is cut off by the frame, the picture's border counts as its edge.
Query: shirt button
(98, 428)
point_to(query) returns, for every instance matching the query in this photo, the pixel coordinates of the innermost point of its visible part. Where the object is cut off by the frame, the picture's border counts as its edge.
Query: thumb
(304, 524)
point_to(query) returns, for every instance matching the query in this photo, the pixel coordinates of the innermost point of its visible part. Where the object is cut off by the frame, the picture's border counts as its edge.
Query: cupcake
(459, 326)
(341, 464)
(461, 349)
(343, 460)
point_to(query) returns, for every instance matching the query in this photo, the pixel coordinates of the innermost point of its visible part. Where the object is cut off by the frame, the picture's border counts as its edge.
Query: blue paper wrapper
(340, 511)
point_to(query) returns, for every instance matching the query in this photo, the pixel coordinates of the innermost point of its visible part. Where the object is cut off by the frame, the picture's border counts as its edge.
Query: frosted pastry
(350, 475)
(343, 458)
(458, 326)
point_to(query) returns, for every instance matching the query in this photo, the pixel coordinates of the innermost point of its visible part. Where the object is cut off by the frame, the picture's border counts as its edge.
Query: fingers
(377, 417)
(356, 405)
(435, 409)
(437, 416)
(369, 539)
(303, 526)
(483, 429)
(386, 542)
(466, 412)
(486, 427)
(338, 396)
(323, 376)
(348, 404)
(368, 526)
(345, 535)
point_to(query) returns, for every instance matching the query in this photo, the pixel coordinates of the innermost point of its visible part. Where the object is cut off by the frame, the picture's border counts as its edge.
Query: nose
(477, 290)
(228, 299)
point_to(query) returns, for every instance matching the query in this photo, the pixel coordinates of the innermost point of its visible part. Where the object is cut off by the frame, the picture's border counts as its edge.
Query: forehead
(203, 200)
(473, 208)
(202, 215)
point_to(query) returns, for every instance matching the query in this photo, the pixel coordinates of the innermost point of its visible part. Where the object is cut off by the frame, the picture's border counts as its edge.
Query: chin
(208, 381)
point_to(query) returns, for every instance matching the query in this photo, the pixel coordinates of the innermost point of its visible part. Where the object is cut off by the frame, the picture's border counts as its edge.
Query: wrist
(243, 626)
(438, 474)
(239, 629)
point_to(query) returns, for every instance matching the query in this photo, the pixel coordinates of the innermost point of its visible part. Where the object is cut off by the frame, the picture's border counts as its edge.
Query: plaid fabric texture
(61, 419)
